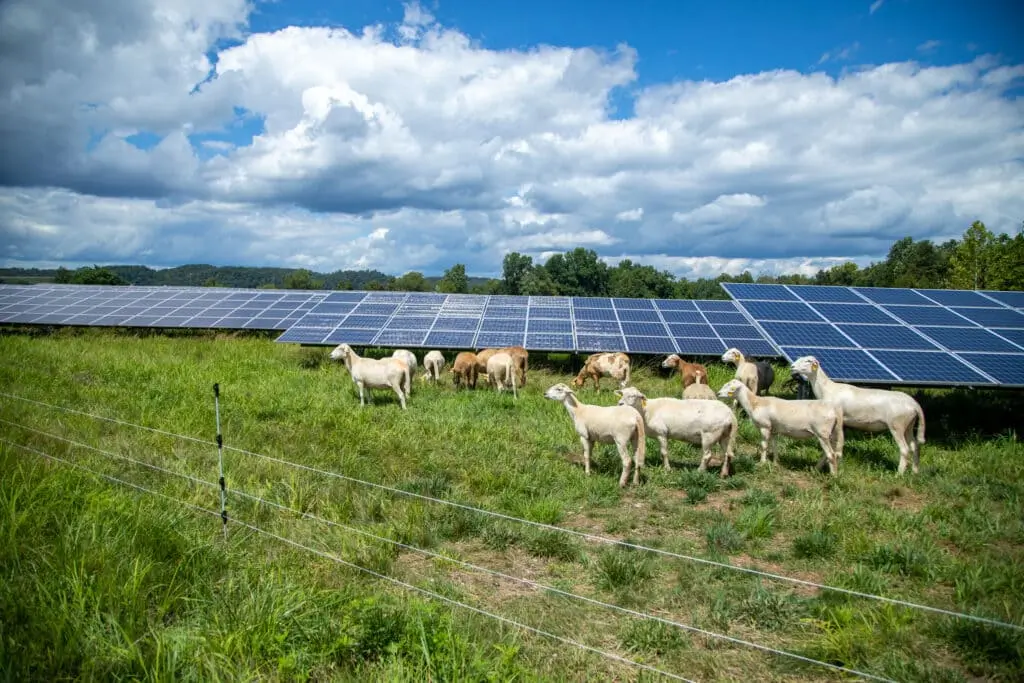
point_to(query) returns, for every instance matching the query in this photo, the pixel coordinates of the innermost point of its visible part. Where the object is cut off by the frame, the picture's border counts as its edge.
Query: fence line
(552, 527)
(338, 560)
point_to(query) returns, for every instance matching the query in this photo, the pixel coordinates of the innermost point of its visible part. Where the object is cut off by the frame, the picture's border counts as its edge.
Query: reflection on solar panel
(416, 319)
(894, 336)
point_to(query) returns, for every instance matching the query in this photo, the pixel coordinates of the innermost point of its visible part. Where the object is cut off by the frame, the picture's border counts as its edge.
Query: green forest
(980, 259)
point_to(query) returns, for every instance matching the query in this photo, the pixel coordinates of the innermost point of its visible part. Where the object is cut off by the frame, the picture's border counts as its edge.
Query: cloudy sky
(697, 137)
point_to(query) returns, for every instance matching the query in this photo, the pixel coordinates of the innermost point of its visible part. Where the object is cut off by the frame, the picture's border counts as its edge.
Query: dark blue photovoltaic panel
(315, 320)
(305, 335)
(638, 344)
(780, 310)
(751, 347)
(552, 301)
(232, 322)
(263, 324)
(598, 326)
(928, 366)
(887, 337)
(738, 331)
(485, 340)
(699, 346)
(955, 297)
(456, 323)
(332, 308)
(844, 365)
(400, 337)
(806, 334)
(365, 321)
(644, 329)
(503, 325)
(715, 305)
(450, 340)
(968, 339)
(347, 336)
(701, 330)
(639, 315)
(412, 322)
(385, 297)
(675, 305)
(595, 342)
(375, 309)
(854, 313)
(550, 312)
(508, 300)
(1007, 368)
(590, 302)
(830, 293)
(633, 304)
(198, 321)
(550, 326)
(594, 314)
(682, 316)
(1015, 299)
(722, 318)
(549, 342)
(740, 290)
(882, 295)
(926, 315)
(505, 312)
(1016, 336)
(993, 317)
(425, 298)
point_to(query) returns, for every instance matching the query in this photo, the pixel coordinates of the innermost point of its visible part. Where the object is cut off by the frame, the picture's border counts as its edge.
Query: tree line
(978, 260)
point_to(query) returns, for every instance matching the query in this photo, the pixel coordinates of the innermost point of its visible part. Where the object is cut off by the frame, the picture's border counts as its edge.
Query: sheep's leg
(915, 449)
(586, 454)
(705, 453)
(710, 440)
(828, 455)
(663, 443)
(626, 461)
(766, 436)
(362, 402)
(397, 386)
(901, 441)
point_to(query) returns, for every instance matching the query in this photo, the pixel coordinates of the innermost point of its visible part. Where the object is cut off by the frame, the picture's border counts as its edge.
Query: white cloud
(875, 6)
(414, 147)
(929, 46)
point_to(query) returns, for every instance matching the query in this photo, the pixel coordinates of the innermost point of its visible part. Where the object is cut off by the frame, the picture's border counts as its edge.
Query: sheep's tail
(697, 376)
(640, 448)
(730, 445)
(920, 423)
(408, 378)
(839, 433)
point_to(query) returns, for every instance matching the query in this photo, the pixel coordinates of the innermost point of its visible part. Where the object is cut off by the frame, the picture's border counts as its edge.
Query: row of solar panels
(898, 336)
(415, 319)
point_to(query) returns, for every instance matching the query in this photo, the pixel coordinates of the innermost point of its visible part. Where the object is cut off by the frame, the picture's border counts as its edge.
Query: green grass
(98, 581)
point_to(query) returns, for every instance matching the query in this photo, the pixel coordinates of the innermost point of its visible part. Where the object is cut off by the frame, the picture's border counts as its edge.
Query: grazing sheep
(520, 357)
(605, 424)
(688, 371)
(765, 377)
(482, 357)
(694, 421)
(374, 373)
(501, 371)
(746, 372)
(615, 365)
(464, 369)
(795, 419)
(700, 389)
(869, 410)
(433, 364)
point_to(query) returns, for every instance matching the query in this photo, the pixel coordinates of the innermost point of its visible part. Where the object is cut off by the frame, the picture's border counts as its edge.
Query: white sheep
(374, 373)
(869, 410)
(701, 422)
(746, 371)
(410, 359)
(700, 389)
(501, 372)
(433, 364)
(605, 424)
(795, 419)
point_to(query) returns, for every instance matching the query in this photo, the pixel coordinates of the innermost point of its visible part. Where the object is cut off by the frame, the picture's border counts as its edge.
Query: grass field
(100, 581)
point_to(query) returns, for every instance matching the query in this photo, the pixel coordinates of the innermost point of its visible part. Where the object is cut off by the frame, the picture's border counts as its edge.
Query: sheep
(700, 389)
(501, 371)
(795, 419)
(464, 369)
(520, 356)
(746, 371)
(374, 373)
(765, 377)
(433, 364)
(605, 424)
(410, 359)
(482, 357)
(615, 365)
(688, 371)
(694, 421)
(870, 410)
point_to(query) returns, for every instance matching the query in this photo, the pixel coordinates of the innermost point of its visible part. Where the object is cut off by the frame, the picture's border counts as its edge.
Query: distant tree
(971, 259)
(301, 279)
(63, 276)
(629, 279)
(1006, 269)
(491, 286)
(344, 284)
(537, 282)
(413, 281)
(514, 268)
(843, 274)
(454, 280)
(579, 273)
(96, 276)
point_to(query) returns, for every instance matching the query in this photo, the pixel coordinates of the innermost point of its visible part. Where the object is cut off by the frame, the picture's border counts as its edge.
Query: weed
(818, 544)
(622, 568)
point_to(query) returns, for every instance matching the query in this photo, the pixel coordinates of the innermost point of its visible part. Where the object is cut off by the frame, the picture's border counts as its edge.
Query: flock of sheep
(699, 417)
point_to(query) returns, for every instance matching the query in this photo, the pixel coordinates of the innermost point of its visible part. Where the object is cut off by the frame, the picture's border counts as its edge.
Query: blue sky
(775, 137)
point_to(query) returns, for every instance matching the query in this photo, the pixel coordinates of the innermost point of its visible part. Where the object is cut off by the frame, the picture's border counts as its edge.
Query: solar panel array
(411, 319)
(894, 336)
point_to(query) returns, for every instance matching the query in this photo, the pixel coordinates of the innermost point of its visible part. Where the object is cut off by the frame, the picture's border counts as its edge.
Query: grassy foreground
(98, 581)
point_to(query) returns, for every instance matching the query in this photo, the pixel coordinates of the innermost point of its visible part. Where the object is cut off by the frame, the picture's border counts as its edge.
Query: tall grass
(99, 581)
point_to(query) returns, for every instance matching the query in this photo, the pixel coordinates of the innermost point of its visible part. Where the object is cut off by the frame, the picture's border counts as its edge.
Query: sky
(699, 138)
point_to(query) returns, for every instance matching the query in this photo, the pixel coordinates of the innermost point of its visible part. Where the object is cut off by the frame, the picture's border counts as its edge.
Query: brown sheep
(465, 368)
(520, 357)
(482, 357)
(598, 365)
(688, 371)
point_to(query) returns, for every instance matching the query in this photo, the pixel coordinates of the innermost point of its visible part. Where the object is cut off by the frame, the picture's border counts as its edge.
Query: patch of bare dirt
(744, 560)
(902, 498)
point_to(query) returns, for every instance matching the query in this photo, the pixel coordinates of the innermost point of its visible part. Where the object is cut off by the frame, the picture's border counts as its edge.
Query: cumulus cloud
(132, 132)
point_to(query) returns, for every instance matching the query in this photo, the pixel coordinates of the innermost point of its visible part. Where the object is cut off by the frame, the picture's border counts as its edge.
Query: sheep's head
(730, 388)
(733, 355)
(631, 396)
(558, 392)
(341, 351)
(578, 380)
(805, 367)
(672, 361)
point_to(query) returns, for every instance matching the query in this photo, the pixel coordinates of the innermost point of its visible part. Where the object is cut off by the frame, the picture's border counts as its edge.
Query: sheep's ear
(814, 364)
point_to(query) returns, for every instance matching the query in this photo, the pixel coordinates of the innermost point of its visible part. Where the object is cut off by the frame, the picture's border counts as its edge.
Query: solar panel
(543, 341)
(897, 336)
(697, 346)
(600, 342)
(444, 339)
